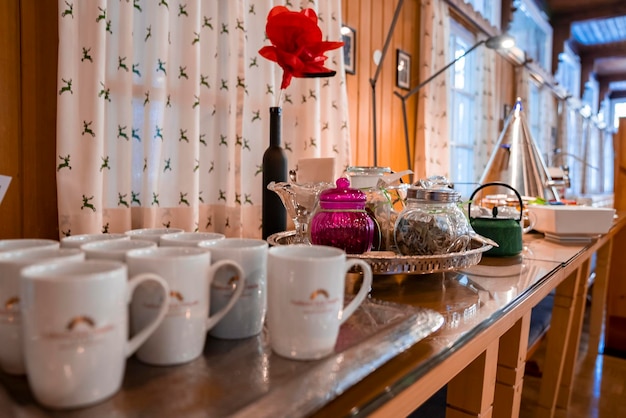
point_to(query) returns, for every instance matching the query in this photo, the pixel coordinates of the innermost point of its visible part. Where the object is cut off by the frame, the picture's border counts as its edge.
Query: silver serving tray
(244, 378)
(385, 262)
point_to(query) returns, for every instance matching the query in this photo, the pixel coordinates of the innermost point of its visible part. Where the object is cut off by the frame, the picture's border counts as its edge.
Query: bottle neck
(275, 126)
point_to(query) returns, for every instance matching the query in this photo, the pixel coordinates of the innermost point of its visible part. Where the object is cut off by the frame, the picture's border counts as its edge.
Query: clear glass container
(384, 200)
(431, 222)
(341, 220)
(362, 177)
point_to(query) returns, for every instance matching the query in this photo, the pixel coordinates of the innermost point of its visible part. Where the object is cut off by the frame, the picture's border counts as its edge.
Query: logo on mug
(176, 295)
(10, 312)
(11, 303)
(177, 305)
(80, 330)
(319, 302)
(226, 285)
(75, 322)
(319, 292)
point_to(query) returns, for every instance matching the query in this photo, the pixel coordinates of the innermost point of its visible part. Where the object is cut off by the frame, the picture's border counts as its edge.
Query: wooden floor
(599, 386)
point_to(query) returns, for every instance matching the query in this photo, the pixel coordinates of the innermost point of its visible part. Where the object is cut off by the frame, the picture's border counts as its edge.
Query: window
(461, 110)
(619, 111)
(568, 71)
(534, 116)
(489, 9)
(532, 33)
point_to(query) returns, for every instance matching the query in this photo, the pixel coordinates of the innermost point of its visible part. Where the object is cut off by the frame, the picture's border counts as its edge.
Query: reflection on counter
(448, 293)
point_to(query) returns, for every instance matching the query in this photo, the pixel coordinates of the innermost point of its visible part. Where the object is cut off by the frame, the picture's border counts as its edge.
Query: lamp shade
(517, 162)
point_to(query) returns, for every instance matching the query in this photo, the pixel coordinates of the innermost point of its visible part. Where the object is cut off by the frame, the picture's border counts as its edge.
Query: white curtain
(575, 141)
(486, 111)
(432, 119)
(163, 113)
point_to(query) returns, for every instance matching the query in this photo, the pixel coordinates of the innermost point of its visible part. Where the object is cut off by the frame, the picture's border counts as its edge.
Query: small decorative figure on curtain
(298, 48)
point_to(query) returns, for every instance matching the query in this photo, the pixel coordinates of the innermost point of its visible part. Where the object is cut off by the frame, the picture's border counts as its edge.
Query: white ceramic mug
(76, 241)
(247, 316)
(152, 234)
(305, 296)
(188, 271)
(11, 263)
(114, 249)
(188, 239)
(21, 243)
(77, 355)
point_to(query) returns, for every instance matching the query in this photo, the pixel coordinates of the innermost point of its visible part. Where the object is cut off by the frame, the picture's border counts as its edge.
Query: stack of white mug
(65, 307)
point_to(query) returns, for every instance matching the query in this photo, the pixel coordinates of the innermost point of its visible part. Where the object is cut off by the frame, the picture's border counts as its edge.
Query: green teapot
(502, 226)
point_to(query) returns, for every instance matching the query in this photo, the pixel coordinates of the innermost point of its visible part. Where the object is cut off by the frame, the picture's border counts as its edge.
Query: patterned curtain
(548, 122)
(593, 174)
(574, 148)
(608, 162)
(487, 118)
(163, 113)
(432, 120)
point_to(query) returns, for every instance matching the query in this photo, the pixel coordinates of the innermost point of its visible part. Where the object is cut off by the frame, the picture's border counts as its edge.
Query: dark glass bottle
(274, 169)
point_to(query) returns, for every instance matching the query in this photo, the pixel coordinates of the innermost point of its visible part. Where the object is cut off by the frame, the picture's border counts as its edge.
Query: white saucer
(569, 239)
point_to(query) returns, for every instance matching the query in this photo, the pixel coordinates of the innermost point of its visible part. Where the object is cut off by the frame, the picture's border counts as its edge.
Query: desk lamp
(502, 41)
(517, 162)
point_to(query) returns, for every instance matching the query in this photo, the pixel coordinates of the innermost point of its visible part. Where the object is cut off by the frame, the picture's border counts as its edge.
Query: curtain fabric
(549, 121)
(487, 110)
(163, 113)
(575, 148)
(432, 120)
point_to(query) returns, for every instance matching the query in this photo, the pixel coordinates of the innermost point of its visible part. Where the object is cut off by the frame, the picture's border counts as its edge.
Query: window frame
(468, 92)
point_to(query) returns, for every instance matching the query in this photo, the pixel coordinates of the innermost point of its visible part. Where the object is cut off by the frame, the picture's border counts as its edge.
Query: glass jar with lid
(432, 221)
(385, 194)
(341, 220)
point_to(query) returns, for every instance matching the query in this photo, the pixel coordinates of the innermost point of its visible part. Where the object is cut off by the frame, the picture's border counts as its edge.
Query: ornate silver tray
(386, 262)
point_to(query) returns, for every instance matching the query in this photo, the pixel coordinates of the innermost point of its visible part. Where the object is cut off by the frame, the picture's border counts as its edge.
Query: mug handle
(532, 220)
(240, 283)
(366, 286)
(133, 344)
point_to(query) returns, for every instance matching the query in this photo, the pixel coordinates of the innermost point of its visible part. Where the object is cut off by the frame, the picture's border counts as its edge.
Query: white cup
(76, 241)
(76, 328)
(115, 249)
(11, 263)
(247, 316)
(21, 243)
(188, 271)
(188, 239)
(305, 298)
(152, 234)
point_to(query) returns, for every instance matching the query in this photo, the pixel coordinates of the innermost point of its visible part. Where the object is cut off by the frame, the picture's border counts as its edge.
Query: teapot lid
(344, 194)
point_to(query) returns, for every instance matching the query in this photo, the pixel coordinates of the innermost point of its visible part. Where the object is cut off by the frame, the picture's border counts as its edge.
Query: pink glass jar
(341, 220)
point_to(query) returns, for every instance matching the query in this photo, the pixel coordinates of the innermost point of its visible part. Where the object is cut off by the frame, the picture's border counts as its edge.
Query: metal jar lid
(442, 195)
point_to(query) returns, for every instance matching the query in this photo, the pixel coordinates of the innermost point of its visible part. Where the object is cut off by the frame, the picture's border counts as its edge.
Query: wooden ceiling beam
(587, 11)
(615, 49)
(611, 78)
(618, 94)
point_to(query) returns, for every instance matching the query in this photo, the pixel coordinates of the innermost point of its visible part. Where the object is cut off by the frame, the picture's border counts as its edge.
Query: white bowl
(571, 220)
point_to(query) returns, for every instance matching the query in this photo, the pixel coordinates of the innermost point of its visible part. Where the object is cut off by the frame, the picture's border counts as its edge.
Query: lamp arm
(377, 74)
(432, 77)
(394, 21)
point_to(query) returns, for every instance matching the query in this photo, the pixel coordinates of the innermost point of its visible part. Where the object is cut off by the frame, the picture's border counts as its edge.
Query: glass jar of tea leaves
(432, 221)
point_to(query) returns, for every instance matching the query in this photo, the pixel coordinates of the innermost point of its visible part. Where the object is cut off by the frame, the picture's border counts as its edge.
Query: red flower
(297, 44)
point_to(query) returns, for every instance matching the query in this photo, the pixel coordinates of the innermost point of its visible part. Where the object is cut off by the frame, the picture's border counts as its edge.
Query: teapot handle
(495, 183)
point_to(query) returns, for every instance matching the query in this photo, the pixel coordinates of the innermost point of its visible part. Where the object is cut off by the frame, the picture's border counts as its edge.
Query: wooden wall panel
(372, 19)
(616, 303)
(28, 117)
(39, 32)
(10, 150)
